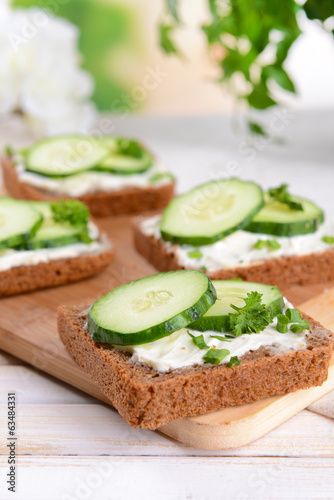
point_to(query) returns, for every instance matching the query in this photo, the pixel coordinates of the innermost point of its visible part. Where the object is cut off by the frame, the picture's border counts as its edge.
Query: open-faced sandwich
(230, 229)
(176, 344)
(111, 175)
(44, 244)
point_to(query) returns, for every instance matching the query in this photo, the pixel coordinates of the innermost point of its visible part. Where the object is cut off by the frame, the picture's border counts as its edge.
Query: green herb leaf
(252, 318)
(220, 337)
(234, 361)
(9, 151)
(203, 268)
(129, 147)
(293, 315)
(256, 128)
(282, 323)
(282, 195)
(71, 211)
(328, 239)
(195, 254)
(303, 325)
(163, 175)
(166, 42)
(215, 356)
(199, 341)
(172, 8)
(270, 245)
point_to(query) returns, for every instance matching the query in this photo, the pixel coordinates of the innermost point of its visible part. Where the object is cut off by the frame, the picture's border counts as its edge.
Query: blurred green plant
(249, 41)
(104, 29)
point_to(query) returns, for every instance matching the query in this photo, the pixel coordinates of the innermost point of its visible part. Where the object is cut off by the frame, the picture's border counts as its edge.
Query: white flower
(40, 72)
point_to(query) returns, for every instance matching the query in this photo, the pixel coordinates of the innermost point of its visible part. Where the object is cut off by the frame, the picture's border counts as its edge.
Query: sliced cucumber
(233, 292)
(150, 308)
(211, 211)
(126, 157)
(19, 221)
(64, 156)
(53, 234)
(278, 219)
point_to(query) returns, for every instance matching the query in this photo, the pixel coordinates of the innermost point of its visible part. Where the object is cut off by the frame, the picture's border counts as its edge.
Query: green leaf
(203, 268)
(172, 7)
(195, 254)
(303, 325)
(215, 356)
(256, 128)
(280, 76)
(282, 195)
(252, 318)
(293, 315)
(220, 337)
(270, 245)
(234, 361)
(282, 323)
(328, 239)
(73, 212)
(319, 9)
(199, 341)
(166, 42)
(259, 98)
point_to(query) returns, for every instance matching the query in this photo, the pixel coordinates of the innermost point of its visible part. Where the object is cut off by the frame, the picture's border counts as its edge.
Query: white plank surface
(78, 429)
(166, 478)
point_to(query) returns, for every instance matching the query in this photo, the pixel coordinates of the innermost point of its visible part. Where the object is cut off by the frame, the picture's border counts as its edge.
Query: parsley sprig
(282, 195)
(252, 318)
(71, 211)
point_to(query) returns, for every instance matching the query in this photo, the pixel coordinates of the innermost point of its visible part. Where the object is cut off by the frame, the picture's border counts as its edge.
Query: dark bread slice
(282, 272)
(100, 204)
(149, 399)
(53, 273)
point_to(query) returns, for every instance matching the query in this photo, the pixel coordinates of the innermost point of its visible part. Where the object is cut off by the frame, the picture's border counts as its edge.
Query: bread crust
(100, 204)
(53, 273)
(282, 272)
(149, 399)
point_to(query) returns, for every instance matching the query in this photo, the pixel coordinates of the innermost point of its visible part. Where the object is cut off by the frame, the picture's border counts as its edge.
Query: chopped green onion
(199, 341)
(328, 239)
(215, 356)
(220, 337)
(195, 254)
(234, 361)
(268, 244)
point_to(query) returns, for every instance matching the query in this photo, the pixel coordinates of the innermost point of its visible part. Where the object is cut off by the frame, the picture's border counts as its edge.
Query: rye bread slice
(53, 273)
(148, 398)
(282, 272)
(100, 204)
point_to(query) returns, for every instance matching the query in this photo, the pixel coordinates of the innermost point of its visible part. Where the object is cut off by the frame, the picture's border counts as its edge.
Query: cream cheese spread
(178, 349)
(92, 182)
(15, 258)
(237, 249)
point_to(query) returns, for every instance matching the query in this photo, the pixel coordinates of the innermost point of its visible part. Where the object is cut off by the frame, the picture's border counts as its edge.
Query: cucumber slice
(210, 212)
(64, 156)
(150, 308)
(232, 292)
(53, 234)
(126, 157)
(18, 222)
(278, 219)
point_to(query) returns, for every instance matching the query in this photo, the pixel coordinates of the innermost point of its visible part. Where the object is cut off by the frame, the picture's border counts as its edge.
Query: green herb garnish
(129, 147)
(282, 195)
(71, 211)
(163, 175)
(252, 318)
(234, 361)
(282, 323)
(195, 254)
(9, 150)
(268, 244)
(328, 239)
(199, 341)
(291, 316)
(203, 268)
(215, 356)
(220, 337)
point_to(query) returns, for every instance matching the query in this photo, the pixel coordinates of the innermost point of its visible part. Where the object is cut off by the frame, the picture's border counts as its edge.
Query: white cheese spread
(16, 258)
(237, 249)
(178, 349)
(92, 182)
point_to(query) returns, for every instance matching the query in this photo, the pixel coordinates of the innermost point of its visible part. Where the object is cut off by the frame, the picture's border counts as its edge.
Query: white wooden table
(70, 446)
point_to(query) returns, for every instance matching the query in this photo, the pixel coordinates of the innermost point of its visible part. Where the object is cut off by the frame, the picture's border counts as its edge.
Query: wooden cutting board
(28, 330)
